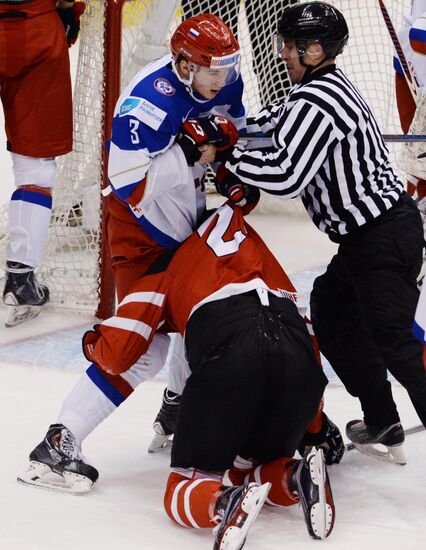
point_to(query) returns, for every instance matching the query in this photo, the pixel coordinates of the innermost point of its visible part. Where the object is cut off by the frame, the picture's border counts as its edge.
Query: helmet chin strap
(310, 68)
(187, 82)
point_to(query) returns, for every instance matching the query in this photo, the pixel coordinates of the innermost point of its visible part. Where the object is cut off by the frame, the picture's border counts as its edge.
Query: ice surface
(377, 504)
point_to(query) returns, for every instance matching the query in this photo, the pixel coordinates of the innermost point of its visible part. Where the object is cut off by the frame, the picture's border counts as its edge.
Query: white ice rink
(377, 504)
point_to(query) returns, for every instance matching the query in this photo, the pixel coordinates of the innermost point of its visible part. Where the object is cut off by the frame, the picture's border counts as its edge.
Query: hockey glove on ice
(70, 18)
(216, 130)
(230, 186)
(328, 438)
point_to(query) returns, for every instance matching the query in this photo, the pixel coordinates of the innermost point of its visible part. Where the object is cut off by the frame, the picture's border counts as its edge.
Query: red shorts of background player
(35, 82)
(406, 109)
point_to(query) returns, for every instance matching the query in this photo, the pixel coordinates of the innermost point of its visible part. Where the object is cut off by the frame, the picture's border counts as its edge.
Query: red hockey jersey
(224, 257)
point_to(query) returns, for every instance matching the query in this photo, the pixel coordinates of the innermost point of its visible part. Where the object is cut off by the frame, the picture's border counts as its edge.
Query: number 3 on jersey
(216, 239)
(134, 136)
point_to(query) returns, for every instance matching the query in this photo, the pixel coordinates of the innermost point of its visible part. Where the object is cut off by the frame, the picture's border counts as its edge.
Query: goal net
(114, 44)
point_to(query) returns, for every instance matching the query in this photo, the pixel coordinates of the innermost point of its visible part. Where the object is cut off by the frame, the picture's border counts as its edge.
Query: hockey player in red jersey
(255, 383)
(35, 89)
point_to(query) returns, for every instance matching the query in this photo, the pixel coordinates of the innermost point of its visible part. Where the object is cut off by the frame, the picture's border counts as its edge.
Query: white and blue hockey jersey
(412, 37)
(147, 119)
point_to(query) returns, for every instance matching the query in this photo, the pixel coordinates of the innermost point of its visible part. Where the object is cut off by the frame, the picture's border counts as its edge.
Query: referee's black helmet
(315, 21)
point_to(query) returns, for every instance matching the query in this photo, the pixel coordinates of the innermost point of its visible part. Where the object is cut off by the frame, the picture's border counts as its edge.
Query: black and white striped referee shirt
(328, 148)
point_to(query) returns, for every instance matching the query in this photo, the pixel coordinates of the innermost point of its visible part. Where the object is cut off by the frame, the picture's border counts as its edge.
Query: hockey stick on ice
(407, 70)
(408, 431)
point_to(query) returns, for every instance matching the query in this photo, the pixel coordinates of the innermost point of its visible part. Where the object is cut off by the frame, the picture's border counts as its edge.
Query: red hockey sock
(276, 472)
(191, 502)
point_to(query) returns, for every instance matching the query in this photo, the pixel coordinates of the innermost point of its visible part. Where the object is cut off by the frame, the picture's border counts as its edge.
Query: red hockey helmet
(206, 41)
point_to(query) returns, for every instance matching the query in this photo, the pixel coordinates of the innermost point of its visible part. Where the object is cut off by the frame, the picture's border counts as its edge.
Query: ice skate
(365, 439)
(165, 423)
(310, 481)
(23, 294)
(238, 507)
(56, 463)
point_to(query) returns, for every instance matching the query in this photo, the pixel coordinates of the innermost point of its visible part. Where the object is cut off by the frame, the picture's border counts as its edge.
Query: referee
(327, 148)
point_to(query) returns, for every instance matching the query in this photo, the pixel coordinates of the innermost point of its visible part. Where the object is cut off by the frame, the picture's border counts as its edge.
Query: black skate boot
(309, 480)
(165, 422)
(59, 455)
(238, 507)
(328, 438)
(23, 294)
(364, 438)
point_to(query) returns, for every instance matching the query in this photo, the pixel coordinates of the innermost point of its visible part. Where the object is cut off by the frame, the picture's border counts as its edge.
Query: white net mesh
(411, 157)
(70, 266)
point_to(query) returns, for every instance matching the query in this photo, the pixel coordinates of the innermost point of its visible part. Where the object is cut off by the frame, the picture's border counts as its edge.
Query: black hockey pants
(255, 383)
(363, 308)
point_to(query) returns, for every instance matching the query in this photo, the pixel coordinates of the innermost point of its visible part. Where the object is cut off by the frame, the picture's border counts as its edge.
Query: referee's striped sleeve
(265, 121)
(305, 137)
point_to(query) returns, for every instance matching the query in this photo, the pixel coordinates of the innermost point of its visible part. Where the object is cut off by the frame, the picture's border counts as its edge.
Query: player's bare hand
(208, 153)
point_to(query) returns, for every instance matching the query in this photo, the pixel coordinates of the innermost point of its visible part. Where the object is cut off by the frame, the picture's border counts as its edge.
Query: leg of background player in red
(406, 109)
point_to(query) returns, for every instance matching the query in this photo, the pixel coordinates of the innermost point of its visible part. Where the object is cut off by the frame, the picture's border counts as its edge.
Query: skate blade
(40, 475)
(321, 513)
(160, 443)
(234, 537)
(19, 314)
(395, 454)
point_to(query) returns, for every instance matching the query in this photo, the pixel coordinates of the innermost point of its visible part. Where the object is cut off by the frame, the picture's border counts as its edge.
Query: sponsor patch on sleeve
(149, 114)
(129, 105)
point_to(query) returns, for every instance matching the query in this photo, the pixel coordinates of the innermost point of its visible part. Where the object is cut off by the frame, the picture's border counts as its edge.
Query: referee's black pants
(363, 308)
(255, 383)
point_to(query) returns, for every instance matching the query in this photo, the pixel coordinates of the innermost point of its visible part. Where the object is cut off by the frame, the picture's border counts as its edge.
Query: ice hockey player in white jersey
(155, 171)
(198, 79)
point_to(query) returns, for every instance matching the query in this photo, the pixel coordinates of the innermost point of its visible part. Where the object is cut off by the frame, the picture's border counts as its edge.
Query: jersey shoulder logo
(163, 86)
